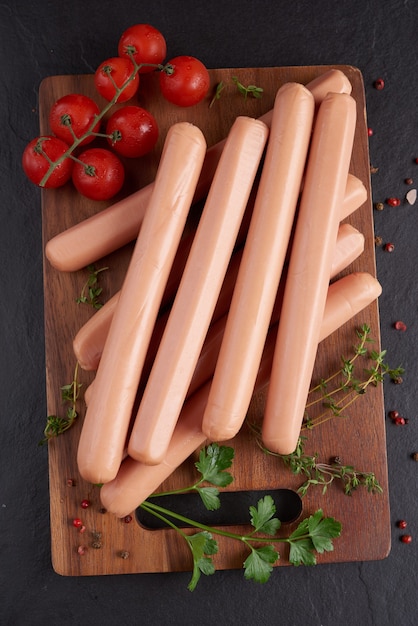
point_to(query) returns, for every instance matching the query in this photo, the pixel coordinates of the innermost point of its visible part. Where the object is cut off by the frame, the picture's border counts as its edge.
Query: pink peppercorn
(401, 523)
(379, 84)
(389, 247)
(399, 325)
(406, 539)
(370, 132)
(393, 201)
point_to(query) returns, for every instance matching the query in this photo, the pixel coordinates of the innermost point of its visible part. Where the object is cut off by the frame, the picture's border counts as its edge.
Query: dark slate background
(46, 37)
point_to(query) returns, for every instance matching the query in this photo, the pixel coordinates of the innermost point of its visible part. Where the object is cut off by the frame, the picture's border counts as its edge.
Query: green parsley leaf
(210, 497)
(213, 461)
(262, 518)
(201, 544)
(259, 564)
(314, 533)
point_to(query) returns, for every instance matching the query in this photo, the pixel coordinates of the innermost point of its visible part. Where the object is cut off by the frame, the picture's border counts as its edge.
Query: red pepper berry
(81, 550)
(406, 538)
(85, 503)
(401, 523)
(77, 523)
(127, 519)
(408, 181)
(393, 414)
(399, 325)
(399, 421)
(393, 201)
(389, 247)
(379, 84)
(370, 132)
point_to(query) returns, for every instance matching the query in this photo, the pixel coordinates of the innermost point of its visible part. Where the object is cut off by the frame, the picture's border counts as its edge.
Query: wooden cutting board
(359, 439)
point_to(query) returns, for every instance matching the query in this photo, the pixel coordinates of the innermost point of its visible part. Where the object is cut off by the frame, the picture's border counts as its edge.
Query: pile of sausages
(253, 300)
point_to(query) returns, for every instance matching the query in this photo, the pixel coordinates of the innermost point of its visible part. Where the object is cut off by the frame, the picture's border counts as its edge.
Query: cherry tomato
(100, 175)
(134, 131)
(145, 44)
(35, 161)
(188, 83)
(116, 71)
(71, 116)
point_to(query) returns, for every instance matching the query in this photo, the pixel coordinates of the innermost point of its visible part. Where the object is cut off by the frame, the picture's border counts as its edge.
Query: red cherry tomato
(187, 84)
(145, 44)
(35, 161)
(100, 175)
(134, 131)
(71, 116)
(116, 71)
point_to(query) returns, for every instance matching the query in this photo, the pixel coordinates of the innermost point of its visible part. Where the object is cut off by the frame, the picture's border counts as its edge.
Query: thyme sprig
(56, 425)
(338, 392)
(322, 473)
(91, 291)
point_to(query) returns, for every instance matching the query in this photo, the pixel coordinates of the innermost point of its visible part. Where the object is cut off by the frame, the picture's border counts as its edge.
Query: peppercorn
(389, 247)
(406, 538)
(77, 522)
(399, 325)
(401, 523)
(370, 132)
(379, 206)
(379, 84)
(408, 181)
(393, 414)
(398, 380)
(399, 421)
(414, 456)
(96, 545)
(127, 519)
(85, 503)
(124, 554)
(393, 201)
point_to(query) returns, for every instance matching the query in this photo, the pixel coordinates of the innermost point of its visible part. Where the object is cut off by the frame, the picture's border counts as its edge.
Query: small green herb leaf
(213, 461)
(314, 533)
(259, 563)
(201, 544)
(210, 497)
(262, 518)
(218, 90)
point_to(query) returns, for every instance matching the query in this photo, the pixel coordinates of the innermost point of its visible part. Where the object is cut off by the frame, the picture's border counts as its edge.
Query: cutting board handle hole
(234, 509)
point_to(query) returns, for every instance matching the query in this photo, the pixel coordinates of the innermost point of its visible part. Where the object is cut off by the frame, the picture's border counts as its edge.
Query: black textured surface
(44, 38)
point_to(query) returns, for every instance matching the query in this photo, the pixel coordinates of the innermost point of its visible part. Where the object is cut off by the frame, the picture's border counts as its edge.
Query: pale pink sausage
(199, 288)
(136, 481)
(117, 225)
(350, 244)
(308, 272)
(106, 423)
(262, 262)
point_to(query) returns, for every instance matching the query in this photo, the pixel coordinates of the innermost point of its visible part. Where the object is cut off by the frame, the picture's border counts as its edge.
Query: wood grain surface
(359, 439)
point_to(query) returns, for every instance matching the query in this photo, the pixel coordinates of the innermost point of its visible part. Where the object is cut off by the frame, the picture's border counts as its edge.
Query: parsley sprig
(313, 535)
